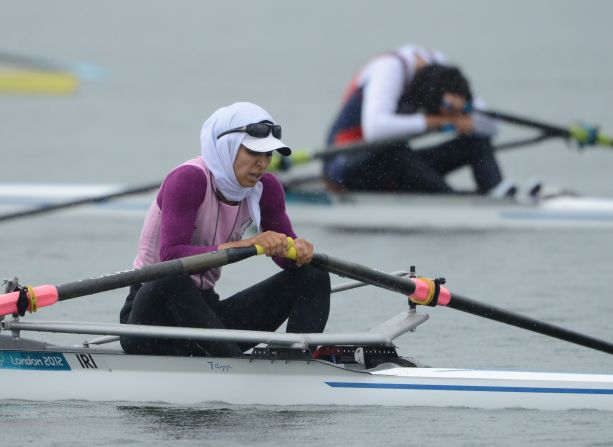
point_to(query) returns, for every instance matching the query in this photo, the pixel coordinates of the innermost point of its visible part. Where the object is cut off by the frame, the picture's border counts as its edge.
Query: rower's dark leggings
(398, 168)
(301, 296)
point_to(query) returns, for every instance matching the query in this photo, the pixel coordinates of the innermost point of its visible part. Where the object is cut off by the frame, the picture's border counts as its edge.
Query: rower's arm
(382, 92)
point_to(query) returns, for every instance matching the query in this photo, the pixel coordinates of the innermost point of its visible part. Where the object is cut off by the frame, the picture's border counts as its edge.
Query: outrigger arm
(381, 335)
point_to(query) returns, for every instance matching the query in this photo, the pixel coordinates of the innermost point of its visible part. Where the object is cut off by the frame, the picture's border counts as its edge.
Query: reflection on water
(260, 424)
(78, 423)
(282, 426)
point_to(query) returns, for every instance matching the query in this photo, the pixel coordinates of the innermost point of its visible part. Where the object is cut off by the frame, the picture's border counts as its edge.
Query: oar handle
(587, 135)
(298, 157)
(290, 253)
(604, 140)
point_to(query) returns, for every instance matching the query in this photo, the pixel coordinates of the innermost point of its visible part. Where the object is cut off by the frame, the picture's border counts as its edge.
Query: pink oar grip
(444, 296)
(422, 289)
(45, 296)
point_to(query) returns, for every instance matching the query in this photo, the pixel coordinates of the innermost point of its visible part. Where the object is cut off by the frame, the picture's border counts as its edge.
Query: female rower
(206, 204)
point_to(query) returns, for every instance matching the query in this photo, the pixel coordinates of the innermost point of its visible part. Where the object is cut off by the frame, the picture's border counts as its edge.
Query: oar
(30, 298)
(82, 70)
(26, 81)
(584, 135)
(333, 289)
(46, 295)
(84, 201)
(424, 291)
(300, 157)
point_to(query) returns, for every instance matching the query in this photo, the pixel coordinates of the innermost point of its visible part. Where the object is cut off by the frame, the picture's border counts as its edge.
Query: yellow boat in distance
(23, 81)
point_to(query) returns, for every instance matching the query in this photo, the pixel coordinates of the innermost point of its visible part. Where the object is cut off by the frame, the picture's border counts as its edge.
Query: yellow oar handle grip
(291, 252)
(298, 157)
(259, 249)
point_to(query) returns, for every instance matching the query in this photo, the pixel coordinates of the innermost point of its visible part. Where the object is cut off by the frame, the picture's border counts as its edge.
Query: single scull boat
(350, 369)
(353, 211)
(406, 211)
(284, 368)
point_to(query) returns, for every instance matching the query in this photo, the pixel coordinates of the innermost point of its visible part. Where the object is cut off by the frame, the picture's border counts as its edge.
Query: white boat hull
(353, 211)
(402, 212)
(103, 375)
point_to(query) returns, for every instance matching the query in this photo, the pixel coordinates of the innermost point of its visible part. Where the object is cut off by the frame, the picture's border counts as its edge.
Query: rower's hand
(584, 134)
(276, 244)
(463, 124)
(304, 251)
(273, 243)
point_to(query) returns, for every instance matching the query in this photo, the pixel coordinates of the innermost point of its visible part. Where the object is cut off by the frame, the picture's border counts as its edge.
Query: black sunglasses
(258, 130)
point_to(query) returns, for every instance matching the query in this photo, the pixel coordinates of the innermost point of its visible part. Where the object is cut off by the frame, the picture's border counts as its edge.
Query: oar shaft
(78, 202)
(364, 146)
(302, 157)
(357, 284)
(363, 274)
(547, 128)
(47, 295)
(582, 134)
(503, 316)
(162, 270)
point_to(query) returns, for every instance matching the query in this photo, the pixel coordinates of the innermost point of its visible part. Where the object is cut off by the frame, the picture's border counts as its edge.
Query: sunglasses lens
(262, 130)
(276, 131)
(258, 130)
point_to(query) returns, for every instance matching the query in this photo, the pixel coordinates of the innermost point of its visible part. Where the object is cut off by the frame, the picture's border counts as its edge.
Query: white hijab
(219, 154)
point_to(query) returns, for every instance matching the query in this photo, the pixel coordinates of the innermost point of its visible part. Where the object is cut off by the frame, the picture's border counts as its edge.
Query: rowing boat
(355, 369)
(25, 199)
(353, 211)
(283, 368)
(405, 211)
(37, 82)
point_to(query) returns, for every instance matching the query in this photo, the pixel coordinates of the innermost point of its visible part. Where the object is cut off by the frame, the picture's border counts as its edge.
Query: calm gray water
(171, 65)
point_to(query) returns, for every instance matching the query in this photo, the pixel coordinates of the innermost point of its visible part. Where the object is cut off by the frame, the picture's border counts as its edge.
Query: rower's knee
(476, 145)
(309, 277)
